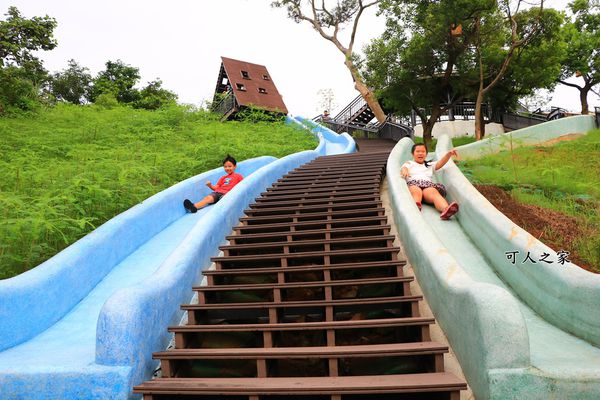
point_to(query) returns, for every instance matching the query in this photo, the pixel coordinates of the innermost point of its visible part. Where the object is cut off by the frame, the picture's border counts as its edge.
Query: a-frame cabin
(242, 84)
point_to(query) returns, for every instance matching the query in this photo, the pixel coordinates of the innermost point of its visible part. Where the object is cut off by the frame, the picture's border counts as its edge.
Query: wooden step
(319, 180)
(311, 208)
(304, 284)
(292, 236)
(430, 358)
(310, 254)
(313, 268)
(304, 303)
(393, 349)
(323, 191)
(333, 214)
(408, 383)
(346, 199)
(307, 225)
(353, 241)
(295, 326)
(322, 194)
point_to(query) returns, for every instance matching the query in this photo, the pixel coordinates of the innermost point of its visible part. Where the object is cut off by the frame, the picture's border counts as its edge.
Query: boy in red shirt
(223, 186)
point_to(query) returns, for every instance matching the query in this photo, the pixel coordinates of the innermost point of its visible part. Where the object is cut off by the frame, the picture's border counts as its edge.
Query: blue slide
(84, 324)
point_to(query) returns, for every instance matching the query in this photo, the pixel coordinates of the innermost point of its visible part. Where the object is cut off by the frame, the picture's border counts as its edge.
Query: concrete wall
(459, 128)
(531, 135)
(565, 295)
(483, 322)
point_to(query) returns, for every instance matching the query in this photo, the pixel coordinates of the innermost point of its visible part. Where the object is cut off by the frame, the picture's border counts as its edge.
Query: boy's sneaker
(189, 206)
(449, 211)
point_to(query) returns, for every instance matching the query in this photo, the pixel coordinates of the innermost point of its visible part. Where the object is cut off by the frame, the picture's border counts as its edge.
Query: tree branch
(359, 12)
(569, 84)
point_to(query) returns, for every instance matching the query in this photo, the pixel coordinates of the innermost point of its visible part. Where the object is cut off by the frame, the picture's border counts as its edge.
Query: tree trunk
(427, 130)
(428, 125)
(583, 92)
(365, 92)
(479, 122)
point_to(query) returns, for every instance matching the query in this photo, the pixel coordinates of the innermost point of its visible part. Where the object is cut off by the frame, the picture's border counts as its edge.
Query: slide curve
(520, 329)
(84, 324)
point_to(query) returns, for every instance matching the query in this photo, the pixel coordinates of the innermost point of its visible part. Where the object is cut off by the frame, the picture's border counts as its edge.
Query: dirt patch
(557, 230)
(564, 138)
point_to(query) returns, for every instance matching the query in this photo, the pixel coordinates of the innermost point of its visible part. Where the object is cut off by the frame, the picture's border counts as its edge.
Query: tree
(22, 75)
(417, 64)
(328, 22)
(19, 37)
(582, 36)
(536, 65)
(488, 47)
(434, 54)
(73, 84)
(326, 100)
(119, 80)
(154, 96)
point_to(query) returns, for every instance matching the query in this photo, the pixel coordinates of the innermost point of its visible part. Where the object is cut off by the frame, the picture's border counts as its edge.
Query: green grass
(67, 170)
(562, 177)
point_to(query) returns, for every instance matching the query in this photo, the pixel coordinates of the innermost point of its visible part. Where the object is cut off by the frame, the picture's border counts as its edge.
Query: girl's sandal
(419, 205)
(449, 211)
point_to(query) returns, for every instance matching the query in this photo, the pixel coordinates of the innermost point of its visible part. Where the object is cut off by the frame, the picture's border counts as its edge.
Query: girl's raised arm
(442, 161)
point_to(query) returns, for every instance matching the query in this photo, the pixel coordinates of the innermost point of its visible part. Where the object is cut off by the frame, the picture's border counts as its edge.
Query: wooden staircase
(308, 301)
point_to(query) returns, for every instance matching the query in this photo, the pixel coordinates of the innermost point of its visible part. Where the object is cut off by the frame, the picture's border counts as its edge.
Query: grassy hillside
(69, 169)
(563, 177)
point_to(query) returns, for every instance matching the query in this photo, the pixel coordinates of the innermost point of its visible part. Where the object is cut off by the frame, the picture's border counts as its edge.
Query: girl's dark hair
(414, 146)
(412, 151)
(230, 159)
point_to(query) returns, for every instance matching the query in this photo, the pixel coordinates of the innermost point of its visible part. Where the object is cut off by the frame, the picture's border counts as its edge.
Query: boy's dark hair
(230, 159)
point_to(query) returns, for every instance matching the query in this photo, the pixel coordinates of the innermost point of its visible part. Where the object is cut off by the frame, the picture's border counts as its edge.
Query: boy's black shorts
(216, 196)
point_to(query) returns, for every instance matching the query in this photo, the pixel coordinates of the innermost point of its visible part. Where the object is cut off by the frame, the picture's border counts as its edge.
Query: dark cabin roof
(260, 90)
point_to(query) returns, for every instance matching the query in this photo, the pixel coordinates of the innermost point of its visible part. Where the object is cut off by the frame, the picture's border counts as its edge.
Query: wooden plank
(373, 350)
(407, 383)
(293, 326)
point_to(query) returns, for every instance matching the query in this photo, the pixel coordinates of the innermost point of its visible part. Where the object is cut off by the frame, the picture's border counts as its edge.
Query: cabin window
(224, 81)
(240, 86)
(245, 75)
(262, 90)
(266, 77)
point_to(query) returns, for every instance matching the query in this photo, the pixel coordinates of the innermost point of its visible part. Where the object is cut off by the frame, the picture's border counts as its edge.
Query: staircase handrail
(350, 109)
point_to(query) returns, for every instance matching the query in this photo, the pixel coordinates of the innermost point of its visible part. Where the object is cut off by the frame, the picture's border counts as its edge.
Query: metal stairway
(308, 301)
(358, 116)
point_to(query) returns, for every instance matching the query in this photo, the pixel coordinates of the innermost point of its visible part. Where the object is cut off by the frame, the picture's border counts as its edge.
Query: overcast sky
(181, 42)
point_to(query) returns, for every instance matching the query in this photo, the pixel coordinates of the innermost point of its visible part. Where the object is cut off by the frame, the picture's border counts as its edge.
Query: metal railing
(226, 104)
(461, 111)
(350, 110)
(518, 120)
(393, 127)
